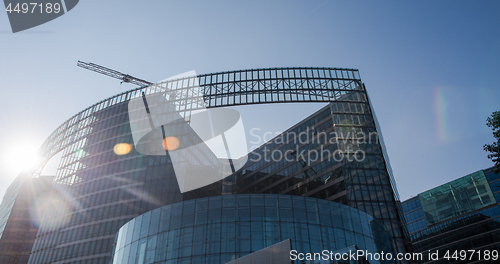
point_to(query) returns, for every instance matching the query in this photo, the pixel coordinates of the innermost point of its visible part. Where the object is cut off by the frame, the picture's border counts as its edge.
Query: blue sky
(430, 67)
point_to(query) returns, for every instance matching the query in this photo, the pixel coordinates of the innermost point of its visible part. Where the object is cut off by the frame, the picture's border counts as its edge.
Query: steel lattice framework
(259, 86)
(278, 85)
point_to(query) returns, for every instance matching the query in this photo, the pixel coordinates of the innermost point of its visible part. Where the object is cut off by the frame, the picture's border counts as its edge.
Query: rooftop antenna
(112, 73)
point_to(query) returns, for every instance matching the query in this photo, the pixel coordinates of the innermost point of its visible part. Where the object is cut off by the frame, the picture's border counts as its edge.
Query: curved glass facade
(222, 228)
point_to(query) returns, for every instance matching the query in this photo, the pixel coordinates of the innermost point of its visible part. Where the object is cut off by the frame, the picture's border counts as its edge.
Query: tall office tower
(22, 224)
(457, 220)
(109, 176)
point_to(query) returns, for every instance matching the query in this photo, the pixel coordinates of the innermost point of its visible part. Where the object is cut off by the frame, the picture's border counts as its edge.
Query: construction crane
(112, 73)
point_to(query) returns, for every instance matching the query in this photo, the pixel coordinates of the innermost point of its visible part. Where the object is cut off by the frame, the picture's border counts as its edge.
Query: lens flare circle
(60, 210)
(170, 143)
(122, 149)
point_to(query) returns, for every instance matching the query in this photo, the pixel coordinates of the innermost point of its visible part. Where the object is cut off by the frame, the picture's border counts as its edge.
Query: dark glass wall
(415, 218)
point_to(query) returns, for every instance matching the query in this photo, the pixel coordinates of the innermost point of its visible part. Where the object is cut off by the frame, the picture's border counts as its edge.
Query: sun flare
(22, 156)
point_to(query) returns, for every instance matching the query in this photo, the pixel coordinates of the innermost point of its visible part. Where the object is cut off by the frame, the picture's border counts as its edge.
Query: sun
(22, 156)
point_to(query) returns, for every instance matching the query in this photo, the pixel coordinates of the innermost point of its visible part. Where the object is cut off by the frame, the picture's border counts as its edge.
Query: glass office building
(337, 154)
(457, 216)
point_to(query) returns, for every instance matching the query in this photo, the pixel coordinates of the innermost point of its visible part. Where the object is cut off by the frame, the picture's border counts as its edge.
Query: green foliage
(494, 123)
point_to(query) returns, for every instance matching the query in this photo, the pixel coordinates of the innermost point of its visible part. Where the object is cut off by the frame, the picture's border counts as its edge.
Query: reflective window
(460, 196)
